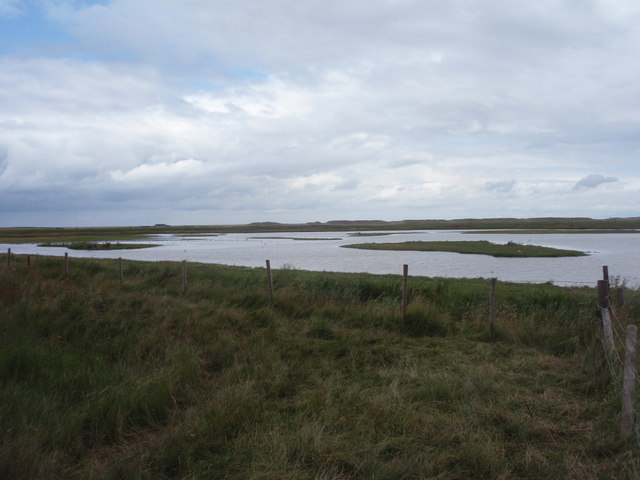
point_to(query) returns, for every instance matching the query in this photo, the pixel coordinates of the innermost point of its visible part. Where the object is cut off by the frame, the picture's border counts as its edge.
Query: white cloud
(163, 171)
(399, 109)
(10, 8)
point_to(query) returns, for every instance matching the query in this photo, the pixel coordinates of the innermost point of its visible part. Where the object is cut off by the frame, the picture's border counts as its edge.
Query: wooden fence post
(29, 261)
(8, 257)
(628, 410)
(184, 275)
(605, 273)
(270, 279)
(405, 290)
(603, 306)
(66, 263)
(492, 304)
(120, 275)
(620, 298)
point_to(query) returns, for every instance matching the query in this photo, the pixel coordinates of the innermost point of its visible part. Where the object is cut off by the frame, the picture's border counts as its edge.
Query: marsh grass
(479, 247)
(142, 381)
(98, 245)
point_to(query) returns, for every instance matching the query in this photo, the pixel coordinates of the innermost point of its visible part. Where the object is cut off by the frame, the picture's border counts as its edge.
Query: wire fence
(612, 351)
(614, 358)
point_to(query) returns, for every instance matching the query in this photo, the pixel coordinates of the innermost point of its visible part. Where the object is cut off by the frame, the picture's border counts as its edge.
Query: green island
(481, 247)
(98, 245)
(369, 234)
(295, 238)
(106, 377)
(553, 231)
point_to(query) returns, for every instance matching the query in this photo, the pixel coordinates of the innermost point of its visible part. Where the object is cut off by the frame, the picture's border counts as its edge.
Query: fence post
(120, 275)
(405, 290)
(184, 275)
(603, 306)
(620, 298)
(66, 263)
(628, 410)
(8, 257)
(29, 261)
(270, 279)
(492, 304)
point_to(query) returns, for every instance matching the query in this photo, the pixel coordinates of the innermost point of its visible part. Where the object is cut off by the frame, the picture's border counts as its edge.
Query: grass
(145, 381)
(295, 238)
(555, 231)
(481, 247)
(98, 245)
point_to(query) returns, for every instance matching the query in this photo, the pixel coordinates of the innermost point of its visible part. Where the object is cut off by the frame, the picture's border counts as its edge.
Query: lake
(321, 252)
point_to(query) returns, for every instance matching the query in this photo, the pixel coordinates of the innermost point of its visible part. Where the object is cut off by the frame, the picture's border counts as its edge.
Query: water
(618, 251)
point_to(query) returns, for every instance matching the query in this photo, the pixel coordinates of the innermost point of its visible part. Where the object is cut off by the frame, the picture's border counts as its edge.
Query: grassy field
(144, 381)
(481, 247)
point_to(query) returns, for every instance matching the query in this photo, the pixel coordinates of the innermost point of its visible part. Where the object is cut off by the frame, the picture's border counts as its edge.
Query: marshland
(145, 376)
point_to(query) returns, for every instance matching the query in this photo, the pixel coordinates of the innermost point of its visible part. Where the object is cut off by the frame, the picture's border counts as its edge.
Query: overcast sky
(136, 112)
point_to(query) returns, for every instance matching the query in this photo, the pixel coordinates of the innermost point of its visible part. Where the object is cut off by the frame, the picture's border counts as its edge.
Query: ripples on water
(620, 252)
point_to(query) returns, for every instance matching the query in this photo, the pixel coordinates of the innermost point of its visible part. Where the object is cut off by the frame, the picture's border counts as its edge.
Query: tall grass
(140, 380)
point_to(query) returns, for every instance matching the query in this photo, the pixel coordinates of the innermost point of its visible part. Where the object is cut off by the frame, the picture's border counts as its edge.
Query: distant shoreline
(530, 225)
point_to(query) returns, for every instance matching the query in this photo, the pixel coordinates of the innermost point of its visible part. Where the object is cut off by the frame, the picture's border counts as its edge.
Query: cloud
(10, 8)
(159, 172)
(4, 162)
(367, 108)
(592, 181)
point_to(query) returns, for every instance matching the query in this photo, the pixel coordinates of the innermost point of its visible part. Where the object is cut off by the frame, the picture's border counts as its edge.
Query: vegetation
(369, 234)
(140, 380)
(555, 231)
(40, 235)
(295, 238)
(481, 247)
(98, 245)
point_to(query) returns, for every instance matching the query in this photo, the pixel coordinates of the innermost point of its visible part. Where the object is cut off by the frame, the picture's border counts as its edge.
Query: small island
(98, 245)
(483, 247)
(295, 238)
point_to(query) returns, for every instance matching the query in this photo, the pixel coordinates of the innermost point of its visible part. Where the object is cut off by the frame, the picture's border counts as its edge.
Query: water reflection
(321, 251)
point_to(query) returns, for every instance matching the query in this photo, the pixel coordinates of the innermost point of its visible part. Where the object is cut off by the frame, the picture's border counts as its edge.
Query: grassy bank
(98, 245)
(583, 231)
(141, 380)
(481, 247)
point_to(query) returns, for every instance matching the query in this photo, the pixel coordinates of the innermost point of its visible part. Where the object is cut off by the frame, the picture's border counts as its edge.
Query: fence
(619, 352)
(622, 367)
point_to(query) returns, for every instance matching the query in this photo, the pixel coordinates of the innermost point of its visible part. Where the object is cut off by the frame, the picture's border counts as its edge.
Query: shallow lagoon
(620, 252)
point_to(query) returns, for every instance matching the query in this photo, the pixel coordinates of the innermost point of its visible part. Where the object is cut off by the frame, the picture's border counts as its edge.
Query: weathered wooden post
(492, 304)
(619, 298)
(405, 290)
(184, 275)
(605, 273)
(29, 261)
(269, 279)
(120, 274)
(603, 306)
(628, 410)
(66, 263)
(8, 257)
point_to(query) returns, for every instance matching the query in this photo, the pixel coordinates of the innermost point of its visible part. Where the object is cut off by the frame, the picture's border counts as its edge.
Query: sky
(137, 112)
